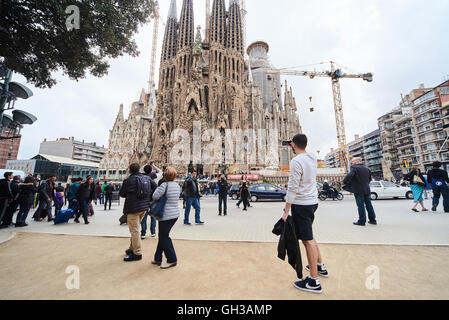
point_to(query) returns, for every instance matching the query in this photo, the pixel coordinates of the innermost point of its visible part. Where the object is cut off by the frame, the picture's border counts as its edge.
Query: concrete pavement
(398, 225)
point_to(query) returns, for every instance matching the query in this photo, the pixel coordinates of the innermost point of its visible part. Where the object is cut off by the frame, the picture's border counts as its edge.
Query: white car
(385, 189)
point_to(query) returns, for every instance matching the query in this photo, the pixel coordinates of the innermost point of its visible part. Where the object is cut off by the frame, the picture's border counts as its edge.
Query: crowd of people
(23, 195)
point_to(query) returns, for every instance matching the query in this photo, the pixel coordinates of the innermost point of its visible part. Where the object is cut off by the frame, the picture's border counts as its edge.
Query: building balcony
(403, 136)
(438, 128)
(428, 109)
(431, 119)
(405, 144)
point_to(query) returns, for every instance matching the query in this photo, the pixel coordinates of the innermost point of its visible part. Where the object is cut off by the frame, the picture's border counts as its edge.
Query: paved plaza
(333, 224)
(233, 257)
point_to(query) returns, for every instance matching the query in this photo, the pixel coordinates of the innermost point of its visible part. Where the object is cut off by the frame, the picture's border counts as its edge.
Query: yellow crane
(335, 75)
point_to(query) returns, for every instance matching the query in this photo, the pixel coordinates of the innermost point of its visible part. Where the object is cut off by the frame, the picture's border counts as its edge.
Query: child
(59, 201)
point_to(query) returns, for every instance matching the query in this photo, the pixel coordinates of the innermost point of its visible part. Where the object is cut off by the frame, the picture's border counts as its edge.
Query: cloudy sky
(403, 42)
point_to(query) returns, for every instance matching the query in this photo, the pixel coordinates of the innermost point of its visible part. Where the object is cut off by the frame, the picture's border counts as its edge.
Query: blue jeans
(195, 202)
(362, 201)
(23, 213)
(152, 225)
(223, 201)
(107, 198)
(84, 207)
(75, 206)
(165, 244)
(437, 193)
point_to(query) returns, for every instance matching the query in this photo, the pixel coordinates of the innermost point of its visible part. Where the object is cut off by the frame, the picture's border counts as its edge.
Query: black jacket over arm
(359, 179)
(288, 244)
(189, 188)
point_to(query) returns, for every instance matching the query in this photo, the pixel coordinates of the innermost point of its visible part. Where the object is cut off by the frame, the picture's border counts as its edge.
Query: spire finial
(173, 12)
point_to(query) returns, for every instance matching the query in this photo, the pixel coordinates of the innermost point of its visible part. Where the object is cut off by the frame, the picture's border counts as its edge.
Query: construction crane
(157, 19)
(335, 75)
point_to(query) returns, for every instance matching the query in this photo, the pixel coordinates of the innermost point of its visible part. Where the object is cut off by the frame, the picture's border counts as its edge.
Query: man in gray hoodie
(302, 200)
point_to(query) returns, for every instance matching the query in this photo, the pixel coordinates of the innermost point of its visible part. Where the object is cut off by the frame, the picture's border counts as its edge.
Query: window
(389, 184)
(375, 185)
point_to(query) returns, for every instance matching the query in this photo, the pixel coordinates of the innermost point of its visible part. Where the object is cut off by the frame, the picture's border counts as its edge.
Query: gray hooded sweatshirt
(302, 189)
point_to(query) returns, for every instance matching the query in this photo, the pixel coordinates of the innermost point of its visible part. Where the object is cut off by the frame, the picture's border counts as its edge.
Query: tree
(36, 42)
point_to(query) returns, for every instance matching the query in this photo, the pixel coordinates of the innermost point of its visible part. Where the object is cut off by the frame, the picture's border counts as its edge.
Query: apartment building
(331, 159)
(356, 148)
(429, 117)
(372, 148)
(73, 149)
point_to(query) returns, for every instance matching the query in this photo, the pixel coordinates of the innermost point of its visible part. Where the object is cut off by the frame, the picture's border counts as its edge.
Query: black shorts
(303, 217)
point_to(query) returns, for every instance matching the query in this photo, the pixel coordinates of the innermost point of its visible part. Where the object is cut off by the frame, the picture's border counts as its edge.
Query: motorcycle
(331, 194)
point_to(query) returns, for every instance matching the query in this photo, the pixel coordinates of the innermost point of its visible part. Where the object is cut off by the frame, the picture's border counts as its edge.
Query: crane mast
(151, 83)
(335, 75)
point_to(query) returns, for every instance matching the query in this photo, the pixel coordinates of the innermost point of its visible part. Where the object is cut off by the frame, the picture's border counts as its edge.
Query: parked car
(234, 192)
(267, 191)
(386, 189)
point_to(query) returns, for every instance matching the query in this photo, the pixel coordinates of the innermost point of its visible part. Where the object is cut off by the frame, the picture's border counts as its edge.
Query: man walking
(302, 200)
(438, 179)
(6, 197)
(135, 208)
(149, 172)
(359, 179)
(192, 195)
(107, 191)
(223, 187)
(46, 196)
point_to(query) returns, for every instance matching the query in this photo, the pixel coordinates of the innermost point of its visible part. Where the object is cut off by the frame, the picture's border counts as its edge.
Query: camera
(286, 143)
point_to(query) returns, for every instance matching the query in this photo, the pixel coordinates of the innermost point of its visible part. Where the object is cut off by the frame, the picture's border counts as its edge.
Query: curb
(12, 234)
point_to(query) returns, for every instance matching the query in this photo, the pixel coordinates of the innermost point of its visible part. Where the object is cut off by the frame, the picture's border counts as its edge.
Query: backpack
(143, 187)
(439, 184)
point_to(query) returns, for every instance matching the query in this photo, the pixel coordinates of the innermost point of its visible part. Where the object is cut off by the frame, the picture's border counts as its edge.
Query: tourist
(135, 209)
(5, 198)
(417, 184)
(66, 194)
(302, 200)
(358, 180)
(438, 179)
(13, 205)
(148, 170)
(27, 190)
(85, 194)
(223, 187)
(59, 199)
(107, 191)
(171, 214)
(98, 193)
(73, 202)
(244, 193)
(192, 195)
(46, 196)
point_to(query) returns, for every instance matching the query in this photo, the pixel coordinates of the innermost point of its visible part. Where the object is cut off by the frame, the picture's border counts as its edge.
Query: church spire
(170, 38)
(218, 23)
(173, 12)
(235, 31)
(186, 26)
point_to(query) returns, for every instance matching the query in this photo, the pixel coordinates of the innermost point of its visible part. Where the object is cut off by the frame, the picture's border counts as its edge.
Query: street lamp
(9, 93)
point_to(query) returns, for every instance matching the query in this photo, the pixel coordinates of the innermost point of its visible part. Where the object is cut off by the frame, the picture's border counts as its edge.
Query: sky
(402, 42)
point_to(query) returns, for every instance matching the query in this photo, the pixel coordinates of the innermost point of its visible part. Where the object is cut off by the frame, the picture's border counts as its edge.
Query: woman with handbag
(417, 184)
(169, 190)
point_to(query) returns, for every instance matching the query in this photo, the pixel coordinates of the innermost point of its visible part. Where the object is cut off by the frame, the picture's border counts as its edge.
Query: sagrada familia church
(206, 81)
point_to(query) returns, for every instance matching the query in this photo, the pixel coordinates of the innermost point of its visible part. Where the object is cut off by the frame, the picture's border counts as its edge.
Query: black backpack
(143, 187)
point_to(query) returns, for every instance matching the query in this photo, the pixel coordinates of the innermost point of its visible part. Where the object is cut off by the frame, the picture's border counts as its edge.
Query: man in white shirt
(302, 200)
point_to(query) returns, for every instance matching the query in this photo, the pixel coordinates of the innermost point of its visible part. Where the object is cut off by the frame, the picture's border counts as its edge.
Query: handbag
(157, 208)
(418, 181)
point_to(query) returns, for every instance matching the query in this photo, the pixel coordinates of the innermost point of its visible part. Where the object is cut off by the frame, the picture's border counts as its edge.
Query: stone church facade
(207, 84)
